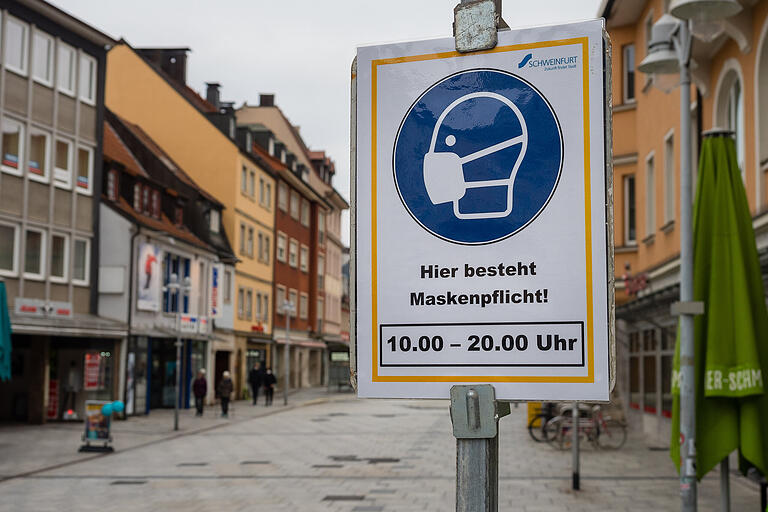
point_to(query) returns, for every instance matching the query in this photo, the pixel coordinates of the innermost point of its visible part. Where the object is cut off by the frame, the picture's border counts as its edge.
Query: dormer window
(112, 185)
(179, 215)
(137, 197)
(156, 204)
(271, 148)
(282, 156)
(145, 207)
(215, 220)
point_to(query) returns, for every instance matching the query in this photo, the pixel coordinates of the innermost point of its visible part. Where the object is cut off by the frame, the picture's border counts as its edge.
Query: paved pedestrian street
(329, 452)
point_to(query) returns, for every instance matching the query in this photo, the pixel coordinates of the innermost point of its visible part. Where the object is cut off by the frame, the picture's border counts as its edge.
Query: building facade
(200, 135)
(52, 106)
(729, 91)
(157, 224)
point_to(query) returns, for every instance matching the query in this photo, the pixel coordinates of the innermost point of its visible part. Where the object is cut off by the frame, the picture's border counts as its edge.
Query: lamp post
(669, 52)
(174, 286)
(288, 309)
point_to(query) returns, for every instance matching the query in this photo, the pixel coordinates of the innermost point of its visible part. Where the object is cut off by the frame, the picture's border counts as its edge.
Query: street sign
(481, 214)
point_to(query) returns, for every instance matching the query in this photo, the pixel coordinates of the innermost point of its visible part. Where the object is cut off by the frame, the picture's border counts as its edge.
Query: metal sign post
(575, 446)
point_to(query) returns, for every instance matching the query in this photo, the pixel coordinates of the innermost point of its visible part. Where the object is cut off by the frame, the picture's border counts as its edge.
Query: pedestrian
(71, 389)
(200, 389)
(269, 385)
(255, 378)
(225, 390)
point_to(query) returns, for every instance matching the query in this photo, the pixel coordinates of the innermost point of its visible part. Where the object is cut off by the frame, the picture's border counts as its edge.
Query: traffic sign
(481, 209)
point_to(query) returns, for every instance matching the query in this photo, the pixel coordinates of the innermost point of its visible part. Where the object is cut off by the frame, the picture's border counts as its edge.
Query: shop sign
(482, 216)
(92, 372)
(149, 278)
(217, 271)
(97, 424)
(203, 325)
(259, 327)
(41, 308)
(188, 324)
(53, 399)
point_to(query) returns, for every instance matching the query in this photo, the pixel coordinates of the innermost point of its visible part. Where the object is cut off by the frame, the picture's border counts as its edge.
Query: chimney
(266, 100)
(212, 93)
(173, 61)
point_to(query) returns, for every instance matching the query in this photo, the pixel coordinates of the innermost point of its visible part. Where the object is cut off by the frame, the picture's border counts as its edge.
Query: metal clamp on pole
(475, 416)
(476, 23)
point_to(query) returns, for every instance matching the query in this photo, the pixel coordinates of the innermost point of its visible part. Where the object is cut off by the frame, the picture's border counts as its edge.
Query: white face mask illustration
(444, 171)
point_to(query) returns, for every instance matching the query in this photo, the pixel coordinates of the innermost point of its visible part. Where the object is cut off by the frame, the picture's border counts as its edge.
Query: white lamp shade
(704, 10)
(661, 62)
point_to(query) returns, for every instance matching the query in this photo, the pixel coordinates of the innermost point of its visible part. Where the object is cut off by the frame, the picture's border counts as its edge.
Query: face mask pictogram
(444, 171)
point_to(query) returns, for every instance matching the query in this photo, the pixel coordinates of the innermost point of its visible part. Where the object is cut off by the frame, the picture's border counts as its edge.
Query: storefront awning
(77, 325)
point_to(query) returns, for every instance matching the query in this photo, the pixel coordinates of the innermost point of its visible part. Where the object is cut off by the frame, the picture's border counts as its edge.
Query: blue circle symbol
(478, 156)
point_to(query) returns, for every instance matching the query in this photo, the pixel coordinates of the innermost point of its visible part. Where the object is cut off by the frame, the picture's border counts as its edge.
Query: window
(248, 304)
(42, 58)
(227, 288)
(173, 301)
(282, 196)
(34, 255)
(240, 303)
(84, 170)
(303, 306)
(137, 197)
(293, 298)
(293, 253)
(251, 181)
(156, 205)
(145, 199)
(250, 242)
(320, 227)
(81, 267)
(629, 73)
(266, 308)
(320, 314)
(669, 178)
(305, 212)
(304, 259)
(280, 300)
(267, 248)
(735, 120)
(13, 145)
(62, 170)
(66, 69)
(262, 191)
(281, 247)
(87, 79)
(214, 220)
(244, 180)
(320, 271)
(16, 46)
(39, 151)
(295, 204)
(9, 241)
(650, 197)
(268, 196)
(59, 257)
(258, 307)
(242, 238)
(261, 247)
(630, 230)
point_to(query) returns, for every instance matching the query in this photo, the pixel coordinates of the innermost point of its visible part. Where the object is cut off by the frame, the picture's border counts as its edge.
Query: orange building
(730, 91)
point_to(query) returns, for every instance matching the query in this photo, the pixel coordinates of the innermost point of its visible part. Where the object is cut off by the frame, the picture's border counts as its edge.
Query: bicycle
(537, 423)
(603, 432)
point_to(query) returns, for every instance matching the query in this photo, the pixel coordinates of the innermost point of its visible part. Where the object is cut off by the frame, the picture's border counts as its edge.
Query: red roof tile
(115, 150)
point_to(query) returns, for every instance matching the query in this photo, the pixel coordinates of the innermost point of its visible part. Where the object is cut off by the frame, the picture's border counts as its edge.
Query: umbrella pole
(725, 486)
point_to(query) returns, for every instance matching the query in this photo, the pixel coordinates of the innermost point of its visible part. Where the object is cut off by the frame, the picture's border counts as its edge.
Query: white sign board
(481, 211)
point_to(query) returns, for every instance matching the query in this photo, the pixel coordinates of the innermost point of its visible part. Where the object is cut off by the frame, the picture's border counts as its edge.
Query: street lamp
(288, 309)
(669, 52)
(174, 286)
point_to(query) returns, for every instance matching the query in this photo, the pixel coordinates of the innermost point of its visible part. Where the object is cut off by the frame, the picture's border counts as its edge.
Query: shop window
(303, 306)
(9, 242)
(635, 398)
(16, 43)
(59, 257)
(39, 151)
(66, 69)
(87, 79)
(282, 196)
(281, 240)
(649, 371)
(34, 254)
(82, 264)
(667, 360)
(84, 170)
(304, 259)
(62, 171)
(13, 145)
(42, 58)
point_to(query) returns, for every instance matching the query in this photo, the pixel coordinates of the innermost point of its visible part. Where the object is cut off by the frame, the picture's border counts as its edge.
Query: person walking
(255, 378)
(269, 385)
(225, 390)
(200, 389)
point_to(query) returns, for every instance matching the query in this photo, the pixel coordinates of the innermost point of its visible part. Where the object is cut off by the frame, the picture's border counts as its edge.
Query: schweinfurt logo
(548, 64)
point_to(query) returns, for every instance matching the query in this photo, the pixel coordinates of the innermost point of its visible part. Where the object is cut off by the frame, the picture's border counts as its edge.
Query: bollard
(475, 416)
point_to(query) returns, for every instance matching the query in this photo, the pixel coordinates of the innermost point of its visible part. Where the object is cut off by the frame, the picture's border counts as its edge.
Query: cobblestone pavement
(342, 454)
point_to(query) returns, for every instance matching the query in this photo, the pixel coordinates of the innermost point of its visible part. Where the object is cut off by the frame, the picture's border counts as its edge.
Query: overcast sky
(300, 50)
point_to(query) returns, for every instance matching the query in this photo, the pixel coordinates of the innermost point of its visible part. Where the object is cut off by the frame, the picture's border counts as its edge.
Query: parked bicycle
(604, 432)
(537, 423)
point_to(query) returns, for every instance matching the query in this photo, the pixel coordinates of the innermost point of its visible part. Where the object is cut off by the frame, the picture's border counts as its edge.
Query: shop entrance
(222, 365)
(163, 388)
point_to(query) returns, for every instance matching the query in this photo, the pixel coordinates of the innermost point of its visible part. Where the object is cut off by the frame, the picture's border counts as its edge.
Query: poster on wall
(215, 297)
(148, 275)
(93, 375)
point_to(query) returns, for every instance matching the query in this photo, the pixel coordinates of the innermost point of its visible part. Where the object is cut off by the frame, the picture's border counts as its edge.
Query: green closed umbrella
(731, 337)
(5, 336)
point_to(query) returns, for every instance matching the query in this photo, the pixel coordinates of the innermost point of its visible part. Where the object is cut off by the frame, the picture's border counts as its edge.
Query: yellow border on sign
(590, 377)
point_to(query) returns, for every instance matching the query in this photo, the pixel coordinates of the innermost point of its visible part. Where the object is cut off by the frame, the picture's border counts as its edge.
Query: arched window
(730, 108)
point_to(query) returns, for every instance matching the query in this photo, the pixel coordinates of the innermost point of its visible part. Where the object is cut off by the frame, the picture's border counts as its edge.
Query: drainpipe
(130, 307)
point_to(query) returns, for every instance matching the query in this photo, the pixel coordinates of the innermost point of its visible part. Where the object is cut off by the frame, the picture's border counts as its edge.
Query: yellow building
(730, 91)
(148, 87)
